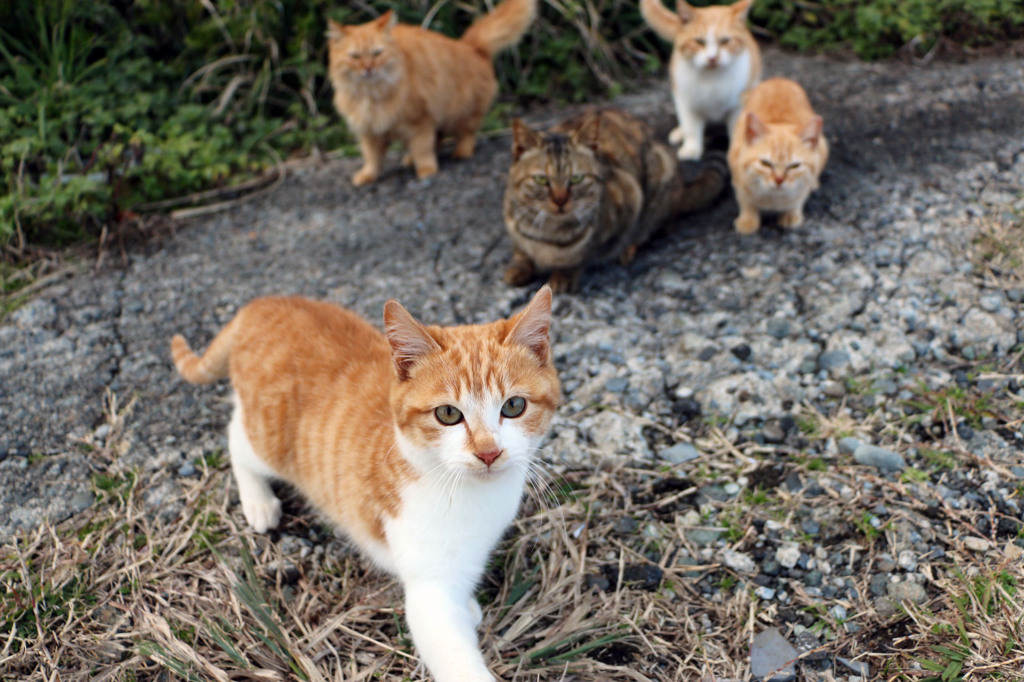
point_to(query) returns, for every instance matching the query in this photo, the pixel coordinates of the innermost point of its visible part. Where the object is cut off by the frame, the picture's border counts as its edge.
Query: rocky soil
(866, 366)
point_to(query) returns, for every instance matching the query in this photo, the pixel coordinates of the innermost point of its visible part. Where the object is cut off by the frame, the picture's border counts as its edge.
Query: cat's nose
(487, 457)
(779, 179)
(560, 198)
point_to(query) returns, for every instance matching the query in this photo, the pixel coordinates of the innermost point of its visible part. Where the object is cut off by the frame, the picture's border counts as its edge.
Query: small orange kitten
(714, 59)
(417, 442)
(405, 83)
(776, 154)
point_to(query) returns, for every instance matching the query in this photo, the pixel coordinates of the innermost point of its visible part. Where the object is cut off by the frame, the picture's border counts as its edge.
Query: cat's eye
(355, 55)
(576, 179)
(724, 40)
(513, 407)
(795, 164)
(540, 179)
(376, 52)
(449, 415)
(766, 163)
(700, 41)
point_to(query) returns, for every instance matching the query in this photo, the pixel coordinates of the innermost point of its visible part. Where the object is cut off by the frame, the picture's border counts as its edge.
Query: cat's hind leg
(260, 505)
(423, 150)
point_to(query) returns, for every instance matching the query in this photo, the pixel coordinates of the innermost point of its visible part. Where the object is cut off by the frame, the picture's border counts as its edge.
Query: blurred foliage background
(111, 105)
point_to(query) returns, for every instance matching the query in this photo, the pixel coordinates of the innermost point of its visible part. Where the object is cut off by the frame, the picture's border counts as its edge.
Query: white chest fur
(709, 93)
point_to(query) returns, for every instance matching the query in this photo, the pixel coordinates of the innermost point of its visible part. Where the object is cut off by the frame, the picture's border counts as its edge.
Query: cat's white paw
(676, 136)
(262, 512)
(691, 150)
(475, 612)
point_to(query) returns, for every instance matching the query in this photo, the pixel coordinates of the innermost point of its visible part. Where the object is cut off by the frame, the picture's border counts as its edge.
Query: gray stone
(833, 360)
(848, 445)
(881, 458)
(779, 327)
(771, 652)
(991, 302)
(81, 501)
(738, 561)
(702, 536)
(187, 469)
(879, 584)
(859, 667)
(617, 384)
(788, 554)
(679, 453)
(907, 591)
(773, 433)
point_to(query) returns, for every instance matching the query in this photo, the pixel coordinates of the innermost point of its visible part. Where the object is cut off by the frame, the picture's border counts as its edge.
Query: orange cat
(407, 84)
(417, 442)
(776, 154)
(714, 59)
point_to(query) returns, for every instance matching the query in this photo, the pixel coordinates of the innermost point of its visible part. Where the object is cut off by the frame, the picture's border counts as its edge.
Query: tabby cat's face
(779, 159)
(365, 54)
(555, 181)
(474, 400)
(713, 37)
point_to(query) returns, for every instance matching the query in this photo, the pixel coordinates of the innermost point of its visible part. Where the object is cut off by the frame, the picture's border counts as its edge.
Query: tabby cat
(714, 59)
(776, 155)
(416, 442)
(405, 83)
(593, 188)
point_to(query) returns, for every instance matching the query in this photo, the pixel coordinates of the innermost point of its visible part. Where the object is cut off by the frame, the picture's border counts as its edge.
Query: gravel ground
(868, 361)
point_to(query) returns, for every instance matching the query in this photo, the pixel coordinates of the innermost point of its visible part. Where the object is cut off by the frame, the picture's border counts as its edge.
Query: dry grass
(120, 593)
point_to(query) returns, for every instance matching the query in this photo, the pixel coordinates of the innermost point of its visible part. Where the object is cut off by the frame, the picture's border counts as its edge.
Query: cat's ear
(410, 341)
(741, 9)
(589, 132)
(532, 326)
(386, 21)
(753, 128)
(685, 11)
(336, 30)
(523, 137)
(812, 132)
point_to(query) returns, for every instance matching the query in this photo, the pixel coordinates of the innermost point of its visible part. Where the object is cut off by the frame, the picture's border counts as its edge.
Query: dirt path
(916, 152)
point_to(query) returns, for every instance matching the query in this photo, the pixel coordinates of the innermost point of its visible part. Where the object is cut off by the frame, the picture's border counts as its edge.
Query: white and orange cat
(416, 442)
(407, 84)
(714, 59)
(776, 155)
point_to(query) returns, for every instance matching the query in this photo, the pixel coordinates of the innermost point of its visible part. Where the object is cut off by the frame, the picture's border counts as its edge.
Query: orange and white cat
(714, 59)
(776, 154)
(416, 442)
(407, 84)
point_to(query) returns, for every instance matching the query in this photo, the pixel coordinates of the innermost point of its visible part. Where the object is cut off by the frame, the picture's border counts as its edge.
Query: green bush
(108, 105)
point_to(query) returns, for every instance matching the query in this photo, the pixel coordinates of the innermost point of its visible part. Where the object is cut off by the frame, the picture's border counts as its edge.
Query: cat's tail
(700, 191)
(501, 28)
(661, 19)
(213, 365)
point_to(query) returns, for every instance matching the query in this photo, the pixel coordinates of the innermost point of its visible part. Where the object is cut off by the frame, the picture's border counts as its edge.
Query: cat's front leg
(373, 148)
(794, 218)
(690, 133)
(565, 281)
(443, 629)
(749, 219)
(261, 507)
(423, 150)
(520, 271)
